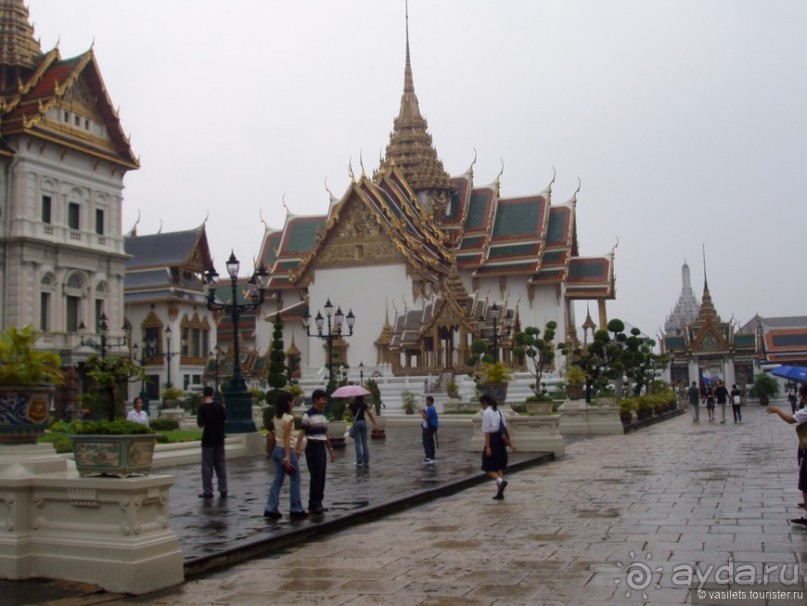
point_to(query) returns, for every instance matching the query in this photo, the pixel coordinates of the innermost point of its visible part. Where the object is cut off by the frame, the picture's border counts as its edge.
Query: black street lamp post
(495, 311)
(149, 349)
(216, 357)
(361, 374)
(238, 400)
(170, 354)
(335, 321)
(103, 332)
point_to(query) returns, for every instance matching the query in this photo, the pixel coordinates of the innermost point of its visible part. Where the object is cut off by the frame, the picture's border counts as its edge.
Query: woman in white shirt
(494, 456)
(137, 414)
(285, 462)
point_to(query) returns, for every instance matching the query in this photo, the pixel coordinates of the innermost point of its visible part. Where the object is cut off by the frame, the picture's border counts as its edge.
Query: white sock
(498, 481)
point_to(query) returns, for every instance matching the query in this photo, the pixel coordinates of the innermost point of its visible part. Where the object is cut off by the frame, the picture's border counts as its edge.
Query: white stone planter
(579, 418)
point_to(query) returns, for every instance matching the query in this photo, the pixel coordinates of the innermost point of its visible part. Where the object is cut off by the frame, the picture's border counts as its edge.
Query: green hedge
(163, 424)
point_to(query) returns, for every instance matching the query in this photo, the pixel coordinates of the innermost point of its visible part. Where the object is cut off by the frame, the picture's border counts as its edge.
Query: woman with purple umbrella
(358, 431)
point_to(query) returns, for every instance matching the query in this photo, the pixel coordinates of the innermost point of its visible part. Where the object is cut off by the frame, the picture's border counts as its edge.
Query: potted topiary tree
(765, 387)
(27, 381)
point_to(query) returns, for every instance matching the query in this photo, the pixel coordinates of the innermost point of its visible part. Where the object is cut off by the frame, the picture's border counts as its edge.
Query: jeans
(213, 460)
(428, 442)
(696, 411)
(360, 442)
(737, 410)
(316, 459)
(277, 482)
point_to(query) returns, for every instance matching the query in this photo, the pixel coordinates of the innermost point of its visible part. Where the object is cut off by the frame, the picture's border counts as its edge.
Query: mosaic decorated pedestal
(116, 455)
(24, 412)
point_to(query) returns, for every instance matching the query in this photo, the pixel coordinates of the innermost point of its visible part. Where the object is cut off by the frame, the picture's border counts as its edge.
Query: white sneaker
(428, 461)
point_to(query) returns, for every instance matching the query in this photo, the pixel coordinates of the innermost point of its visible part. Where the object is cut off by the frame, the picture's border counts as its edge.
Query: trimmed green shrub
(163, 424)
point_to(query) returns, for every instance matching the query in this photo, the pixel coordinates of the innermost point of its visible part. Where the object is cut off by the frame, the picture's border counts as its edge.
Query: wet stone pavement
(208, 527)
(675, 496)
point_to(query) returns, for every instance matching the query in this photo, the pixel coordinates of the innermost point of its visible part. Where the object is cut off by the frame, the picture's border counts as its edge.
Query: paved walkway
(672, 498)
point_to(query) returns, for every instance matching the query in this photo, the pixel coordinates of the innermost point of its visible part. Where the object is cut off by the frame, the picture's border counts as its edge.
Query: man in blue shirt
(429, 426)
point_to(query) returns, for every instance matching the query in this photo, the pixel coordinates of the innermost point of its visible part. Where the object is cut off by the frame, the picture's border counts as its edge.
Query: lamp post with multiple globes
(237, 400)
(334, 323)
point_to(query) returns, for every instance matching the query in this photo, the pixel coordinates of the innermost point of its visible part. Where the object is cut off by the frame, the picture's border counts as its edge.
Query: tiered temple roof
(54, 99)
(448, 231)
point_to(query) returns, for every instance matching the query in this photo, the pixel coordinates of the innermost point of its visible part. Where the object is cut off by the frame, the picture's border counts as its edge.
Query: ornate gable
(357, 239)
(66, 101)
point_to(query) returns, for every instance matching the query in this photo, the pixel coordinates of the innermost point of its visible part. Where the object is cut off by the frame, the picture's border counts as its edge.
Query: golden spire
(19, 50)
(410, 146)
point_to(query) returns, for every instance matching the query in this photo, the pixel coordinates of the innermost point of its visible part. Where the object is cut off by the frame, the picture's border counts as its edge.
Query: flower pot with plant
(408, 402)
(627, 407)
(27, 381)
(493, 380)
(171, 396)
(118, 448)
(765, 387)
(575, 380)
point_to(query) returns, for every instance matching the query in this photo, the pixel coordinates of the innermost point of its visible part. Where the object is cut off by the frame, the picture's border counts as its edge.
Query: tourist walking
(285, 462)
(694, 401)
(211, 418)
(722, 395)
(494, 456)
(710, 404)
(137, 414)
(799, 418)
(791, 396)
(314, 427)
(429, 430)
(361, 412)
(736, 403)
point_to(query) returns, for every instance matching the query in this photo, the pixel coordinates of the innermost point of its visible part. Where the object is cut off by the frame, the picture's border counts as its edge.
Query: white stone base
(107, 531)
(529, 433)
(579, 418)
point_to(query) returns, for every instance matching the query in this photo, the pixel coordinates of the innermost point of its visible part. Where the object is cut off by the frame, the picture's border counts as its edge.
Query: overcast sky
(686, 121)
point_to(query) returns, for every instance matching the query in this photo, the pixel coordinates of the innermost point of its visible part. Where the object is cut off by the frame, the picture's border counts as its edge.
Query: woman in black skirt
(494, 456)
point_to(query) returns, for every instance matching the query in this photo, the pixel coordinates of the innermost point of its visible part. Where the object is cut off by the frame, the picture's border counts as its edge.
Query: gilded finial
(471, 167)
(260, 216)
(133, 232)
(330, 193)
(283, 201)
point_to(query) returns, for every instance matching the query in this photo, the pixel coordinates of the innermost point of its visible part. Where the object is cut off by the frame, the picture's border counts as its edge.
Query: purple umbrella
(349, 391)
